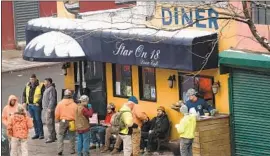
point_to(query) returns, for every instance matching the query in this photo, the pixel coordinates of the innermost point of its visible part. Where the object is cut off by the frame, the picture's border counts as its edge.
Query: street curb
(31, 67)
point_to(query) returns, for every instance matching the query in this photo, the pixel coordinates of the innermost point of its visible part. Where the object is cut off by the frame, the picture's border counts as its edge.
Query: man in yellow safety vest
(32, 97)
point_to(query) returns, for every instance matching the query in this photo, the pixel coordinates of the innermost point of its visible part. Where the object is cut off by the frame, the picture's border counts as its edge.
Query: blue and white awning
(53, 47)
(120, 43)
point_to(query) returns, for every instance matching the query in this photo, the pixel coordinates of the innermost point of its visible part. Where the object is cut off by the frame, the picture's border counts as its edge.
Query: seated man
(144, 133)
(159, 127)
(100, 129)
(110, 131)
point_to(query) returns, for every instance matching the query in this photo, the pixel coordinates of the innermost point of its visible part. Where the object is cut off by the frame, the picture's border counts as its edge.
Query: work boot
(105, 149)
(85, 153)
(35, 137)
(115, 151)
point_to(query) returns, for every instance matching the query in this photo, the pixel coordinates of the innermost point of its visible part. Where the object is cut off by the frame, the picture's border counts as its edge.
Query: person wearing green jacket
(126, 131)
(186, 130)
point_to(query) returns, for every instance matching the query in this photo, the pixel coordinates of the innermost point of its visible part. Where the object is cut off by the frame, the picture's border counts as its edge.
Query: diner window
(147, 82)
(203, 84)
(122, 80)
(261, 13)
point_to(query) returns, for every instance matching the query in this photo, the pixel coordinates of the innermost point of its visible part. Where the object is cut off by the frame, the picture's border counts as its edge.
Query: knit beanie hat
(161, 108)
(133, 99)
(20, 109)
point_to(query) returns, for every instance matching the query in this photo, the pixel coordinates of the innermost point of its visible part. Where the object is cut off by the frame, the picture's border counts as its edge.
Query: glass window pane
(148, 83)
(123, 80)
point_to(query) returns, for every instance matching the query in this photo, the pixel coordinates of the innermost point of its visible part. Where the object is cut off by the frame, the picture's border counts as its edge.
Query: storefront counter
(212, 136)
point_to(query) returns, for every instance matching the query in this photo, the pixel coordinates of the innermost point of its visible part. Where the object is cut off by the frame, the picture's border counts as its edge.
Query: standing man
(49, 102)
(198, 103)
(126, 124)
(9, 109)
(32, 96)
(65, 113)
(138, 117)
(83, 113)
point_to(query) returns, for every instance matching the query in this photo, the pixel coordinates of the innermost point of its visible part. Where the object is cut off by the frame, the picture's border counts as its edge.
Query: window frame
(257, 11)
(114, 80)
(202, 76)
(141, 91)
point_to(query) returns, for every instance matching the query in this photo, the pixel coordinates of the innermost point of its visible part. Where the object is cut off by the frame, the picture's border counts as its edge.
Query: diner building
(111, 55)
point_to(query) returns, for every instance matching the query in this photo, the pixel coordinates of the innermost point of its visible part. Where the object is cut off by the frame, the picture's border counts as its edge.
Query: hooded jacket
(138, 116)
(19, 125)
(186, 127)
(127, 119)
(160, 125)
(49, 99)
(8, 110)
(66, 109)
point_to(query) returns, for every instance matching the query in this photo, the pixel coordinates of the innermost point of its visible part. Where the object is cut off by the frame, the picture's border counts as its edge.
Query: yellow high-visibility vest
(37, 94)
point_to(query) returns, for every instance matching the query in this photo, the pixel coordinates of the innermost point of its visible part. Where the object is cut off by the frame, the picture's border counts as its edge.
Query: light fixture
(170, 80)
(215, 87)
(65, 66)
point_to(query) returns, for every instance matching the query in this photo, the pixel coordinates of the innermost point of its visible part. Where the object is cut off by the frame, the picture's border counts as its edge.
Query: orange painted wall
(165, 95)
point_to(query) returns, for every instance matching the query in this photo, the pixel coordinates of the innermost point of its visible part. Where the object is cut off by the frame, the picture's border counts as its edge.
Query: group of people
(130, 125)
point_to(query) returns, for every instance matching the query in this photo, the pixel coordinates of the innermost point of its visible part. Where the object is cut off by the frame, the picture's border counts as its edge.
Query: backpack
(117, 122)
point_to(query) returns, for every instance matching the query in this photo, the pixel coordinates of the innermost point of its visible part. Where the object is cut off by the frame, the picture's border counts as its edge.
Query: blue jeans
(100, 130)
(35, 112)
(83, 142)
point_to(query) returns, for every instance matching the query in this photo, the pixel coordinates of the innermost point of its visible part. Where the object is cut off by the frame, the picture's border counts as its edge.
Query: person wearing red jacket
(100, 130)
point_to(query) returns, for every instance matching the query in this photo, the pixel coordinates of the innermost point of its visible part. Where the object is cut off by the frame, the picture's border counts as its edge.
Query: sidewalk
(12, 61)
(39, 148)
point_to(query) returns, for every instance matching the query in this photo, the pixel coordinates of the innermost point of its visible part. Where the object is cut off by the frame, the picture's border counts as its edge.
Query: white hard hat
(84, 98)
(191, 92)
(67, 92)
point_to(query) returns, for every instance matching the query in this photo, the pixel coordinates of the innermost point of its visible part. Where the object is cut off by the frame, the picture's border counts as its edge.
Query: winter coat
(160, 125)
(66, 109)
(49, 99)
(127, 119)
(82, 118)
(19, 125)
(186, 127)
(33, 97)
(8, 110)
(146, 126)
(138, 115)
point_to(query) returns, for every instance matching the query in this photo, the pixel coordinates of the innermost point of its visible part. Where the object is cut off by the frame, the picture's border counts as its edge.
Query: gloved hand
(213, 112)
(89, 106)
(151, 131)
(176, 126)
(134, 125)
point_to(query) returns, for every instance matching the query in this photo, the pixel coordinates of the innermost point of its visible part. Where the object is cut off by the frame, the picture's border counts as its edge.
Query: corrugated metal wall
(250, 113)
(23, 12)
